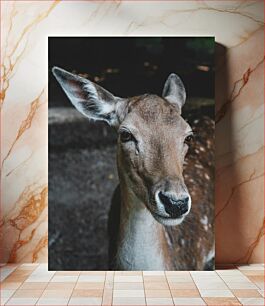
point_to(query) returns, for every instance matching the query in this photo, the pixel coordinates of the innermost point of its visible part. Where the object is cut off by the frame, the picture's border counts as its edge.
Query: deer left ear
(90, 99)
(174, 91)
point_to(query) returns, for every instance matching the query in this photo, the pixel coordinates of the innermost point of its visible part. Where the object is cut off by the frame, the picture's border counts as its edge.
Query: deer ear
(90, 99)
(174, 91)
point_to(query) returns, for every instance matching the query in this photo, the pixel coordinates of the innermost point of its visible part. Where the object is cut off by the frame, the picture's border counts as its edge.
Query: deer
(161, 215)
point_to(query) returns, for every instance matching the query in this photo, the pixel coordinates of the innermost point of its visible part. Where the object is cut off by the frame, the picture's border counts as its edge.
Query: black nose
(175, 207)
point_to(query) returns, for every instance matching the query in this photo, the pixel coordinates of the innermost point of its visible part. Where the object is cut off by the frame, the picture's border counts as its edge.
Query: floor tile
(94, 272)
(9, 285)
(183, 293)
(67, 273)
(53, 301)
(182, 286)
(56, 294)
(128, 273)
(246, 293)
(128, 293)
(261, 292)
(188, 301)
(216, 293)
(89, 285)
(218, 301)
(22, 301)
(60, 286)
(91, 278)
(253, 272)
(128, 279)
(87, 293)
(130, 286)
(251, 267)
(156, 285)
(241, 285)
(159, 301)
(33, 286)
(6, 293)
(157, 293)
(154, 278)
(85, 301)
(64, 279)
(251, 301)
(145, 273)
(25, 293)
(128, 301)
(107, 298)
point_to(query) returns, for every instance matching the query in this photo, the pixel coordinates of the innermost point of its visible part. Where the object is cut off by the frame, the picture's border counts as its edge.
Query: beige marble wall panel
(237, 25)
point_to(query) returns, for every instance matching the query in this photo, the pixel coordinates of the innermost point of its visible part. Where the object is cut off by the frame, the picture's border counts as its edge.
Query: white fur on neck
(140, 248)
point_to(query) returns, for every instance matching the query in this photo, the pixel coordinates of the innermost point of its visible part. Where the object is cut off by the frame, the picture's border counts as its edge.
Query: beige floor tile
(216, 293)
(128, 273)
(157, 293)
(246, 293)
(3, 300)
(180, 279)
(155, 278)
(22, 301)
(128, 278)
(53, 301)
(6, 293)
(211, 285)
(251, 267)
(56, 294)
(182, 293)
(85, 301)
(128, 293)
(182, 286)
(128, 301)
(149, 273)
(34, 286)
(107, 297)
(68, 273)
(93, 273)
(261, 293)
(216, 301)
(87, 293)
(235, 278)
(91, 278)
(177, 273)
(28, 293)
(60, 286)
(189, 301)
(89, 285)
(241, 285)
(130, 286)
(232, 272)
(64, 279)
(251, 301)
(260, 285)
(159, 301)
(156, 285)
(253, 272)
(9, 285)
(256, 278)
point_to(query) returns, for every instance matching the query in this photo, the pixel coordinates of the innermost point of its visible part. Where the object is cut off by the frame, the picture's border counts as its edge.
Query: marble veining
(236, 25)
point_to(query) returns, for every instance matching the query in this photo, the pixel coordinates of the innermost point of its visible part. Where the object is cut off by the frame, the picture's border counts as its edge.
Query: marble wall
(237, 25)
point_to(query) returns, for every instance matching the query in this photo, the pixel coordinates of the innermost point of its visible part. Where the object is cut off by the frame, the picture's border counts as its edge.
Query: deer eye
(126, 136)
(188, 139)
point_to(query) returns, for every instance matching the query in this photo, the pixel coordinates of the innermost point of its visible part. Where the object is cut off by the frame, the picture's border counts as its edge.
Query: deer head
(152, 141)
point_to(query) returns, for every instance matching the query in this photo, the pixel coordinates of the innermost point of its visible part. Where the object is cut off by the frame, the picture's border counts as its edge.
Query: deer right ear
(174, 91)
(90, 99)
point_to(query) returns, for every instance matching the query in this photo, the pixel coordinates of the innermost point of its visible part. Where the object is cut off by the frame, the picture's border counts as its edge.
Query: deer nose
(175, 207)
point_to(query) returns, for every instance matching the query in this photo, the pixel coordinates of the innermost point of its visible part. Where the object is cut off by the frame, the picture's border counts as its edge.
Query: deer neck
(142, 242)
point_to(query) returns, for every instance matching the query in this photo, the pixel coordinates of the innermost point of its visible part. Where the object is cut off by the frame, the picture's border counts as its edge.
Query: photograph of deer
(161, 213)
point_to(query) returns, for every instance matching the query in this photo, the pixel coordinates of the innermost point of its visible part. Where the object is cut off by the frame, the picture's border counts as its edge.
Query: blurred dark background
(82, 166)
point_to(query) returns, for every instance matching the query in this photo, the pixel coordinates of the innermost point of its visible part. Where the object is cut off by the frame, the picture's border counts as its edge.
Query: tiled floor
(33, 284)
